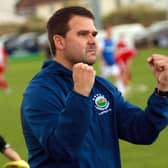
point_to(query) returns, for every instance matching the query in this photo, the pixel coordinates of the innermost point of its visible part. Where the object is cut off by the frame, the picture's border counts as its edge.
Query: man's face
(80, 41)
(108, 32)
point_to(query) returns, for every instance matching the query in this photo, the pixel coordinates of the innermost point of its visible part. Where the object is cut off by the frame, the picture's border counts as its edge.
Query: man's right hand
(84, 78)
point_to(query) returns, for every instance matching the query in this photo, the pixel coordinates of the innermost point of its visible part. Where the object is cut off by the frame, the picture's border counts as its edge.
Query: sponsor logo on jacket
(101, 104)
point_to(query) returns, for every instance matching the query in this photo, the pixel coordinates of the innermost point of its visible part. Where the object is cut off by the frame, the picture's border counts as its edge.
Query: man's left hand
(159, 66)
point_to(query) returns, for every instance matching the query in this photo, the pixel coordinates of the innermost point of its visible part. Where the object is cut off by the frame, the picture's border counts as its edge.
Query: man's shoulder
(45, 83)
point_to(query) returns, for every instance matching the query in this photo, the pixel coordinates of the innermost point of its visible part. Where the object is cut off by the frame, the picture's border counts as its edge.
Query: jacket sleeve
(2, 144)
(58, 122)
(142, 126)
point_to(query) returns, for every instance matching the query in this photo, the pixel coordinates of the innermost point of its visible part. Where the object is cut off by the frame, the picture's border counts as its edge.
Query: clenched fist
(159, 65)
(84, 78)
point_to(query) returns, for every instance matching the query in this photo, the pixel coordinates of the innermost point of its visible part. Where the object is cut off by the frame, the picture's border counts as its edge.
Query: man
(73, 119)
(109, 67)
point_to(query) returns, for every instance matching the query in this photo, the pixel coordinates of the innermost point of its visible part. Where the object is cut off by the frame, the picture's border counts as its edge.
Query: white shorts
(112, 70)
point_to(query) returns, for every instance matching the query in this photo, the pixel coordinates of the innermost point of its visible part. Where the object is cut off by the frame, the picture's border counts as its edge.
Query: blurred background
(23, 38)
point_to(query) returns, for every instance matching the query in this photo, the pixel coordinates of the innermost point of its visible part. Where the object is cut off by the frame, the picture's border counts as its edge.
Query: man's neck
(61, 60)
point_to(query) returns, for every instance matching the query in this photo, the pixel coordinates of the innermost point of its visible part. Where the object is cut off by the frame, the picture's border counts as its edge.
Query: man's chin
(90, 62)
(91, 59)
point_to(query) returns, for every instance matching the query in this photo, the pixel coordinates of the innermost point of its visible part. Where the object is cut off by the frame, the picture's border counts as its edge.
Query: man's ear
(59, 42)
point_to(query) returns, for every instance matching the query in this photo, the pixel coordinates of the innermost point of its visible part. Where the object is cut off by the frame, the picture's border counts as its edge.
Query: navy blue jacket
(64, 129)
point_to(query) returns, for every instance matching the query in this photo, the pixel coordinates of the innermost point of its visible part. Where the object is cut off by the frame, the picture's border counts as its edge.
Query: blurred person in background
(7, 150)
(109, 68)
(124, 56)
(72, 118)
(14, 158)
(3, 66)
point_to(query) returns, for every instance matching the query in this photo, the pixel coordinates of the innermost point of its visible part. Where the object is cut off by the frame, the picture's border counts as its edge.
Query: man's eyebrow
(84, 32)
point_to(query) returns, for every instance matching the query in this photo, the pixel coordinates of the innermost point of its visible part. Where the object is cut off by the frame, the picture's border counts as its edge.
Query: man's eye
(94, 34)
(85, 33)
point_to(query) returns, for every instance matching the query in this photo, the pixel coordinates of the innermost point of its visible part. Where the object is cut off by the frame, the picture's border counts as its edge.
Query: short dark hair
(58, 22)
